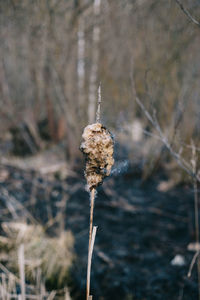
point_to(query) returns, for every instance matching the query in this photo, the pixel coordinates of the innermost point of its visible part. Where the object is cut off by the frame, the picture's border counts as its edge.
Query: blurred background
(53, 57)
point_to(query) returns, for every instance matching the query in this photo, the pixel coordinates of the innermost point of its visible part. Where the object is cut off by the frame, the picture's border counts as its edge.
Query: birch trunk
(81, 64)
(94, 67)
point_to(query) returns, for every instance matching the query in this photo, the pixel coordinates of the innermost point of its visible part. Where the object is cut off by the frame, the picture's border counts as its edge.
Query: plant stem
(92, 194)
(196, 209)
(98, 113)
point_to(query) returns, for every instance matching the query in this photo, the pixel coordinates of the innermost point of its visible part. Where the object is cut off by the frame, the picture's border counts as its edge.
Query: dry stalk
(92, 195)
(91, 242)
(97, 146)
(21, 270)
(90, 251)
(189, 167)
(196, 211)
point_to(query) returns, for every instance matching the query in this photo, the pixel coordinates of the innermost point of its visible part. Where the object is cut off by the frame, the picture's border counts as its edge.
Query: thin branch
(196, 207)
(194, 165)
(153, 120)
(187, 13)
(151, 134)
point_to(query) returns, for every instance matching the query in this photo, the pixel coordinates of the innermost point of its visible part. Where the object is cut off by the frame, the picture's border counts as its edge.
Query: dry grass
(42, 256)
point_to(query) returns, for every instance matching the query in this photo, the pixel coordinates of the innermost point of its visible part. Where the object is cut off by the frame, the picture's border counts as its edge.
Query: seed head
(97, 146)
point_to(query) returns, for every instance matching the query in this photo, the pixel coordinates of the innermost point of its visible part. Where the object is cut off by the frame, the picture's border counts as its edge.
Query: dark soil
(140, 231)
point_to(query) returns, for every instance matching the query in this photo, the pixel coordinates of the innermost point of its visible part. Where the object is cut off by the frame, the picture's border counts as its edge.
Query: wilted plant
(97, 146)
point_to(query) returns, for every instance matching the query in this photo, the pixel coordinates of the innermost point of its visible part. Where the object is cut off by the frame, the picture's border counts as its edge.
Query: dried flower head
(97, 145)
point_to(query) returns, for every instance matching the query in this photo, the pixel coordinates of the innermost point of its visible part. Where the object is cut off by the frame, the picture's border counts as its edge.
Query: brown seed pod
(97, 146)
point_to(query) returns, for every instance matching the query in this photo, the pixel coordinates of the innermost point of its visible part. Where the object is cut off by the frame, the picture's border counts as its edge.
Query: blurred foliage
(151, 39)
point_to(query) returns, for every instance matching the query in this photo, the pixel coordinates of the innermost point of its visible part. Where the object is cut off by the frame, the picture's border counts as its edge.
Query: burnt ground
(140, 231)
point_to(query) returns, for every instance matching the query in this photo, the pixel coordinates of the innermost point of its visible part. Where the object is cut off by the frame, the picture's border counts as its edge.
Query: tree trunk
(94, 67)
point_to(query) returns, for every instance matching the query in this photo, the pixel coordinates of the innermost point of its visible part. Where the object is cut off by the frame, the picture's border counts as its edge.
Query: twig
(105, 258)
(187, 13)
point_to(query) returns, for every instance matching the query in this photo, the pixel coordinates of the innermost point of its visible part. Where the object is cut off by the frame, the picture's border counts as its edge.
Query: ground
(140, 231)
